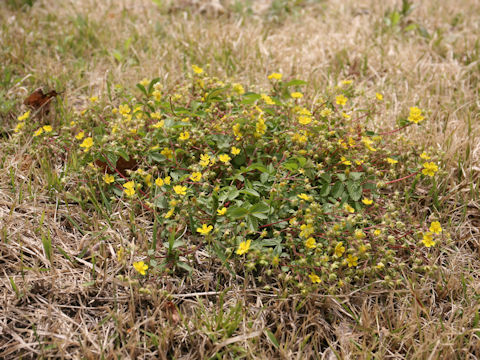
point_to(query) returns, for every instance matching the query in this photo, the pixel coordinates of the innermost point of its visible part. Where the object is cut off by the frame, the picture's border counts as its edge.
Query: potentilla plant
(275, 183)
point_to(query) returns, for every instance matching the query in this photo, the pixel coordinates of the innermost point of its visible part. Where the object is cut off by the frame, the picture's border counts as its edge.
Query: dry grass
(81, 309)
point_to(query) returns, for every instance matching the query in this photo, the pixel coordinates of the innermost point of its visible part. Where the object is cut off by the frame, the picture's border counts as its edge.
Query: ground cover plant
(225, 207)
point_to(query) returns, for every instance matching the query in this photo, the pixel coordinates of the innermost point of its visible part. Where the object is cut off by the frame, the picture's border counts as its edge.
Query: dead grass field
(80, 309)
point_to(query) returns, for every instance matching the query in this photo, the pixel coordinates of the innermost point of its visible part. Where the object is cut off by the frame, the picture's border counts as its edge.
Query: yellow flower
(345, 161)
(261, 127)
(345, 115)
(435, 227)
(167, 180)
(392, 161)
(352, 260)
(129, 188)
(224, 158)
(306, 230)
(268, 100)
(19, 126)
(222, 211)
(23, 117)
(243, 247)
(155, 115)
(379, 96)
(144, 82)
(167, 153)
(148, 180)
(124, 109)
(47, 128)
(236, 131)
(204, 160)
(367, 201)
(196, 69)
(80, 135)
(305, 197)
(424, 156)
(180, 190)
(430, 169)
(276, 76)
(368, 143)
(315, 278)
(38, 132)
(235, 151)
(157, 95)
(296, 95)
(141, 267)
(169, 213)
(184, 136)
(159, 124)
(341, 100)
(339, 250)
(108, 178)
(275, 260)
(204, 230)
(238, 88)
(326, 112)
(349, 208)
(94, 99)
(87, 143)
(196, 176)
(428, 239)
(347, 82)
(359, 234)
(159, 182)
(310, 243)
(415, 115)
(304, 120)
(377, 232)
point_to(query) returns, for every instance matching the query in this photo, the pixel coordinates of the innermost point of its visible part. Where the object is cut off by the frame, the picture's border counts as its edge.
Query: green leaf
(237, 212)
(185, 266)
(250, 192)
(341, 177)
(212, 95)
(356, 175)
(325, 190)
(337, 190)
(354, 190)
(250, 98)
(260, 207)
(256, 166)
(290, 165)
(295, 82)
(272, 338)
(142, 89)
(252, 223)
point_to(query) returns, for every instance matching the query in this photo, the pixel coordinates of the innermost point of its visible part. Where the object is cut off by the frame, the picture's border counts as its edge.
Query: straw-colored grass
(81, 309)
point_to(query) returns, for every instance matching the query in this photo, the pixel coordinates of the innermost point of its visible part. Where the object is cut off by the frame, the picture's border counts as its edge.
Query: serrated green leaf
(325, 190)
(356, 175)
(354, 190)
(250, 192)
(237, 212)
(337, 190)
(260, 207)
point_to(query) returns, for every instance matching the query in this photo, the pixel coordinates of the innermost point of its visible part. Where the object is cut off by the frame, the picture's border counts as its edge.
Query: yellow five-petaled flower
(429, 169)
(108, 178)
(129, 188)
(243, 247)
(222, 211)
(179, 189)
(141, 267)
(205, 229)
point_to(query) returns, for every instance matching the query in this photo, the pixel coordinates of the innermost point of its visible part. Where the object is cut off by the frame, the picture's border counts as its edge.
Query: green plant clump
(273, 183)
